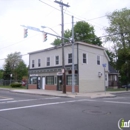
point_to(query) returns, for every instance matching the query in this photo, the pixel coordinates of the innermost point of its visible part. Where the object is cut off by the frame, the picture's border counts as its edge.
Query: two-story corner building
(45, 68)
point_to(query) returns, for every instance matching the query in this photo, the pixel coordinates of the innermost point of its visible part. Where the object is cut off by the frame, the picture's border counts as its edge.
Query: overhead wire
(71, 14)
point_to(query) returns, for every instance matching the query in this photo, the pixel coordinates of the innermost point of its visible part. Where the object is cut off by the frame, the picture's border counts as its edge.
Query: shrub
(16, 84)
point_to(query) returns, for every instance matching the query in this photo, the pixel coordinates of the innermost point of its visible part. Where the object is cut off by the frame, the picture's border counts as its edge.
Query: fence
(7, 82)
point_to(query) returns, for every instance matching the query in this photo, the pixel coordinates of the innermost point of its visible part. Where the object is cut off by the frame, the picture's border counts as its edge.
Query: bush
(16, 84)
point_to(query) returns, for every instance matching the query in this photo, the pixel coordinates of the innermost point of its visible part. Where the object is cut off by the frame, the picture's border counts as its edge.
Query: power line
(20, 55)
(71, 14)
(17, 42)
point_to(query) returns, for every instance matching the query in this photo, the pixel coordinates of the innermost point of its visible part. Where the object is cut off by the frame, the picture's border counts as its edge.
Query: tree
(7, 72)
(119, 33)
(82, 32)
(13, 60)
(67, 34)
(123, 64)
(85, 32)
(1, 74)
(119, 28)
(111, 56)
(20, 71)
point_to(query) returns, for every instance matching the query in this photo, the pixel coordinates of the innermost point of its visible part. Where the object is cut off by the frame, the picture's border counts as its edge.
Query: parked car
(126, 87)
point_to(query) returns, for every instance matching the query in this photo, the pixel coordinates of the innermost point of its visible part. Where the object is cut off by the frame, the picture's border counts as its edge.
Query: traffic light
(25, 33)
(44, 37)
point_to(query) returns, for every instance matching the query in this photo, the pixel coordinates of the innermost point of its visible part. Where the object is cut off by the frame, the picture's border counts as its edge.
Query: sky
(37, 13)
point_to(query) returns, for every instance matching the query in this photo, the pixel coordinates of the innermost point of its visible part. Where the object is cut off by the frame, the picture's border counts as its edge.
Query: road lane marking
(117, 102)
(26, 100)
(46, 104)
(3, 97)
(6, 99)
(56, 103)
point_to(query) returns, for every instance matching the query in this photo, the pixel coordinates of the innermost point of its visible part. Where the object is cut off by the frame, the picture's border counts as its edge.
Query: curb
(67, 96)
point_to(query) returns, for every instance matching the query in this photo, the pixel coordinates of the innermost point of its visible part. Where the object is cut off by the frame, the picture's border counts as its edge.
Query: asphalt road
(32, 112)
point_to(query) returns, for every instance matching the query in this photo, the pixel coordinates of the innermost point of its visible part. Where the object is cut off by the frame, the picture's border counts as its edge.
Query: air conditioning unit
(99, 74)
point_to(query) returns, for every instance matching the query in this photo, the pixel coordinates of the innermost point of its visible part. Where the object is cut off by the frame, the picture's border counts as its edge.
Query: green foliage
(119, 28)
(119, 33)
(1, 74)
(85, 32)
(67, 34)
(20, 71)
(112, 57)
(82, 32)
(15, 85)
(123, 64)
(13, 59)
(7, 71)
(15, 66)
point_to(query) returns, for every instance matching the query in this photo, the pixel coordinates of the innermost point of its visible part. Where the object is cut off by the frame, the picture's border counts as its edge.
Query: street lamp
(50, 28)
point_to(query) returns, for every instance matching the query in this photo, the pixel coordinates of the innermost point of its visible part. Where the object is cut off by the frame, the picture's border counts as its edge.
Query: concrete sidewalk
(60, 93)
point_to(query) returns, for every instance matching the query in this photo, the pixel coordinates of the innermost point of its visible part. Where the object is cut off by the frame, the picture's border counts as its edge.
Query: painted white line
(117, 102)
(26, 100)
(6, 99)
(46, 104)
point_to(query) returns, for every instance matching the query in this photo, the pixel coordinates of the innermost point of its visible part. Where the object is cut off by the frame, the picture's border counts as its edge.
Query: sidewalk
(68, 94)
(60, 93)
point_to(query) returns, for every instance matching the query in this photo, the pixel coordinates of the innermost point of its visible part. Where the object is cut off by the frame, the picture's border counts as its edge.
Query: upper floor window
(84, 58)
(32, 63)
(70, 58)
(39, 62)
(98, 60)
(48, 61)
(57, 60)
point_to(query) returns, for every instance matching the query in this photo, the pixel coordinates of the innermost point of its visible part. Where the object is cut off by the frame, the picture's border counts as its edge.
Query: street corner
(103, 96)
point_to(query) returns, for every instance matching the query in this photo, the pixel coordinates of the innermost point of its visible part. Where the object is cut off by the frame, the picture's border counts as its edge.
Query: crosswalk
(12, 100)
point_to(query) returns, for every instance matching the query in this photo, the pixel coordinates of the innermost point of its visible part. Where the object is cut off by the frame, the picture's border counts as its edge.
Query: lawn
(115, 89)
(9, 87)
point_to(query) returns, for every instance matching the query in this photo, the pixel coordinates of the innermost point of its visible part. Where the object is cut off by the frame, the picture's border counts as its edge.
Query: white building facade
(45, 68)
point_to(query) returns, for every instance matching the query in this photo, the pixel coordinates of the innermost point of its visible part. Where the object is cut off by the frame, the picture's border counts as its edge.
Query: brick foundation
(50, 87)
(32, 86)
(69, 88)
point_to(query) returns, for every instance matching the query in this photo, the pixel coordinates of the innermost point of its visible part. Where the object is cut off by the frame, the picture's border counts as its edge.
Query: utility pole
(73, 79)
(62, 33)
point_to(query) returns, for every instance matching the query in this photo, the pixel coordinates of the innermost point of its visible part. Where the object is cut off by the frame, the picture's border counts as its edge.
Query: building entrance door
(59, 83)
(43, 82)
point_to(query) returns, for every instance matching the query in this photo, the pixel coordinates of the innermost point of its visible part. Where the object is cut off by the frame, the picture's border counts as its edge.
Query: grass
(9, 87)
(115, 89)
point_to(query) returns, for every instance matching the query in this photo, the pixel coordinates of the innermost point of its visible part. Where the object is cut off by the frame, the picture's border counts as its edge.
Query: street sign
(104, 65)
(59, 73)
(32, 28)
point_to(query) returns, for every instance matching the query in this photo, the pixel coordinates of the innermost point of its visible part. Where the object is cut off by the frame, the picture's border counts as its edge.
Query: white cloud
(14, 13)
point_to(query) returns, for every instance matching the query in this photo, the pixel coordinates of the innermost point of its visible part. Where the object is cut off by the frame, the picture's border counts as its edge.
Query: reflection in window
(39, 62)
(33, 80)
(48, 61)
(70, 58)
(84, 58)
(69, 80)
(98, 60)
(50, 80)
(32, 63)
(57, 60)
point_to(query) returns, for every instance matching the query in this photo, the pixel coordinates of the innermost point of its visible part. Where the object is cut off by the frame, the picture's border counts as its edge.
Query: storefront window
(33, 80)
(69, 80)
(50, 80)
